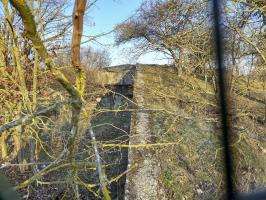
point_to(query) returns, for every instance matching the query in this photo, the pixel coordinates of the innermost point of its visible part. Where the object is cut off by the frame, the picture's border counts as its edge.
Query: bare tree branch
(26, 118)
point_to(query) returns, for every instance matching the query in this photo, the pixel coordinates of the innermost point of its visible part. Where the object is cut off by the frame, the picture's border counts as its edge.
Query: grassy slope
(193, 169)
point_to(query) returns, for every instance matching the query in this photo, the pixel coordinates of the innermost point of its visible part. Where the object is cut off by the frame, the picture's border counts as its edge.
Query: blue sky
(103, 17)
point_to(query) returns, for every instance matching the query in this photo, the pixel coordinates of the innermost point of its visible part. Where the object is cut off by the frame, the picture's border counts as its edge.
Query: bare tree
(172, 27)
(95, 58)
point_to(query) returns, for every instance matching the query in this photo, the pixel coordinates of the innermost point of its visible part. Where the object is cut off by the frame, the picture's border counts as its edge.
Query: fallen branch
(99, 168)
(141, 145)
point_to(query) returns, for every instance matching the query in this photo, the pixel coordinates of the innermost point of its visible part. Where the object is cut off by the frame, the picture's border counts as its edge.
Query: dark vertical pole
(217, 14)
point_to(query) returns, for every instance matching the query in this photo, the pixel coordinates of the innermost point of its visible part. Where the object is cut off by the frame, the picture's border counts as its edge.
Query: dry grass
(187, 108)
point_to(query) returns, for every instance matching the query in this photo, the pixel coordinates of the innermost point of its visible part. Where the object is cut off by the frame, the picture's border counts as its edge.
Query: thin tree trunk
(19, 148)
(32, 141)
